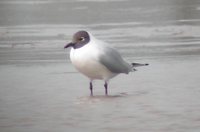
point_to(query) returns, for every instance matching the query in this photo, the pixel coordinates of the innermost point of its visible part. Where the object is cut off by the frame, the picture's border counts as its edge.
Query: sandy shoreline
(54, 97)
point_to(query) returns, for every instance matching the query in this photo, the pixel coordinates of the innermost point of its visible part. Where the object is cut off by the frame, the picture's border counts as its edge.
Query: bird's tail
(137, 65)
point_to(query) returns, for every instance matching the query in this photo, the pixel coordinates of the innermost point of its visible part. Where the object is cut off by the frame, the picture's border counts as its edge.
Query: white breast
(85, 59)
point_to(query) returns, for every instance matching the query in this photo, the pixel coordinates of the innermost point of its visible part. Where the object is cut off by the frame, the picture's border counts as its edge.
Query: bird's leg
(91, 89)
(106, 88)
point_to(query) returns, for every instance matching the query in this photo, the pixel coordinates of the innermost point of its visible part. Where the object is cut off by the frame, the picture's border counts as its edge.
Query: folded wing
(112, 60)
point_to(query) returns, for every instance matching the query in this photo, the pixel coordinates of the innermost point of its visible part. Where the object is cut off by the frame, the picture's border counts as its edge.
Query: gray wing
(112, 60)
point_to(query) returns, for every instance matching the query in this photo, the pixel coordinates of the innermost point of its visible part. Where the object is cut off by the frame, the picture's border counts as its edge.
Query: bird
(96, 59)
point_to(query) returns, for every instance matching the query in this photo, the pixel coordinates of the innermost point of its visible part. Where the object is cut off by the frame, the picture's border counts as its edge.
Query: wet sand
(41, 91)
(161, 97)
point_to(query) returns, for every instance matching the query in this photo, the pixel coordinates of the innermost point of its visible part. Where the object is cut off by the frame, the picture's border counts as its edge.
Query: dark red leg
(91, 89)
(106, 88)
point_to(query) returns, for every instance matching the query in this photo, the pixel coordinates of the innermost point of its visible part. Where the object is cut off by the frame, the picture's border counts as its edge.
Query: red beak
(69, 45)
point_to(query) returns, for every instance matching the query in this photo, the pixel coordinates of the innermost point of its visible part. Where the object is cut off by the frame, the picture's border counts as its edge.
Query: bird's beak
(69, 45)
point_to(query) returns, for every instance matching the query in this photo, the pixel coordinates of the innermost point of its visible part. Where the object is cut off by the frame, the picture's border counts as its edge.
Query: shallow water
(41, 91)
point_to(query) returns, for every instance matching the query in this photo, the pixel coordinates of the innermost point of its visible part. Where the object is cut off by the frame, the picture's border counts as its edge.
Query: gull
(96, 59)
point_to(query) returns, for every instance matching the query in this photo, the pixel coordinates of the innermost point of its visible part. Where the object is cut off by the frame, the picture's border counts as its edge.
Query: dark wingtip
(139, 64)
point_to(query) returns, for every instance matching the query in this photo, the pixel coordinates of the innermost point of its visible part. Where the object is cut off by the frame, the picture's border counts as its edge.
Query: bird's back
(111, 58)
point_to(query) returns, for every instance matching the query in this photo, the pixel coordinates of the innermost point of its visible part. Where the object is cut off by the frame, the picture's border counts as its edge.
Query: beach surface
(40, 90)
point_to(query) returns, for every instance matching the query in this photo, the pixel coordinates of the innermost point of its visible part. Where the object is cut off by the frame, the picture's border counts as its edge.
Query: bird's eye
(81, 38)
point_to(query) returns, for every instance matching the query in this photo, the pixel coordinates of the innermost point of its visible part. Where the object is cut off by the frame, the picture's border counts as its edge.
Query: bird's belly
(92, 69)
(86, 61)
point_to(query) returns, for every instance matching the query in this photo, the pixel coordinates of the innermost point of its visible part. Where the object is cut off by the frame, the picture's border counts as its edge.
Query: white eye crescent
(82, 38)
